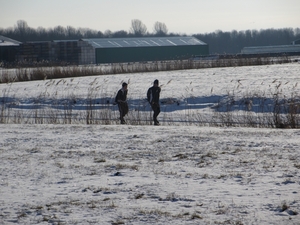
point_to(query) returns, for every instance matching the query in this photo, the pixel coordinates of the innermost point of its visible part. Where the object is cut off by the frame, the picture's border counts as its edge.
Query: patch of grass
(229, 222)
(181, 156)
(161, 160)
(93, 204)
(171, 197)
(99, 160)
(203, 163)
(181, 215)
(195, 215)
(139, 196)
(205, 176)
(221, 209)
(284, 206)
(222, 176)
(22, 215)
(120, 166)
(118, 222)
(297, 166)
(209, 155)
(158, 212)
(59, 165)
(111, 205)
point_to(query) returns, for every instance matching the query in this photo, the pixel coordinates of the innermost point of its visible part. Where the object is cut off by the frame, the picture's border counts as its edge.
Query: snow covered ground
(171, 174)
(188, 96)
(89, 174)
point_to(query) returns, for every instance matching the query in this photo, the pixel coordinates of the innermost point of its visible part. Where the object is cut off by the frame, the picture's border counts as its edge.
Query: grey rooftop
(142, 42)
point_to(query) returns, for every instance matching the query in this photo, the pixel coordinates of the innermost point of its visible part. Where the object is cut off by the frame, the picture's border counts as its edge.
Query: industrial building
(8, 49)
(52, 51)
(112, 50)
(296, 42)
(289, 49)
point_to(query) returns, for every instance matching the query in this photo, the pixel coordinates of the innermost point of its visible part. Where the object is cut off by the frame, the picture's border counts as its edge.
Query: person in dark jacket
(121, 100)
(153, 98)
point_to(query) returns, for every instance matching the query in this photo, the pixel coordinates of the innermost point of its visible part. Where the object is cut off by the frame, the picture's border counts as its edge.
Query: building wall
(35, 51)
(296, 42)
(87, 55)
(63, 51)
(8, 53)
(271, 49)
(140, 54)
(68, 51)
(81, 52)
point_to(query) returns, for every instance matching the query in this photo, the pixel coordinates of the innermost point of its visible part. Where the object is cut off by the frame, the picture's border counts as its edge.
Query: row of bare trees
(22, 32)
(139, 29)
(233, 42)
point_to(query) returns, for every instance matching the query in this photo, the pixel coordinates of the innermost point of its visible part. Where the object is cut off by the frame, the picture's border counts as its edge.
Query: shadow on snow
(217, 103)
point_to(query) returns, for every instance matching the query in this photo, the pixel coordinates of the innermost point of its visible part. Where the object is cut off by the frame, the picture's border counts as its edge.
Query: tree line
(233, 42)
(219, 42)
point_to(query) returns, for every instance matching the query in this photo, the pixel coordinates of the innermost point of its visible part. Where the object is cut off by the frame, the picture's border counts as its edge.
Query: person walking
(121, 100)
(153, 95)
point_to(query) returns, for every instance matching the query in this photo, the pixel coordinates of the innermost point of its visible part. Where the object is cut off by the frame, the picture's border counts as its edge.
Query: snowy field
(218, 96)
(176, 173)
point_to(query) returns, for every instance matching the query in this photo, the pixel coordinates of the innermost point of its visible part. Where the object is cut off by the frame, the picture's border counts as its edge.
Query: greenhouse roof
(4, 41)
(143, 42)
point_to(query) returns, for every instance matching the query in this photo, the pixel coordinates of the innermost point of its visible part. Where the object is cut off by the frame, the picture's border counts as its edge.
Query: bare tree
(108, 33)
(22, 28)
(22, 25)
(138, 28)
(71, 32)
(160, 29)
(60, 31)
(120, 33)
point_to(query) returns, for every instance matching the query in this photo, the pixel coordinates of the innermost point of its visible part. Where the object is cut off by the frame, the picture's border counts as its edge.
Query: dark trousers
(156, 110)
(123, 109)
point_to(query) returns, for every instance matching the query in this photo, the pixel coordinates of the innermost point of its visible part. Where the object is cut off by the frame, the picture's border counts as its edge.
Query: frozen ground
(90, 174)
(114, 174)
(187, 95)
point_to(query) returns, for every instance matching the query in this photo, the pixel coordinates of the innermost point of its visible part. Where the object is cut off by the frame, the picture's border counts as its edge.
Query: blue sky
(184, 17)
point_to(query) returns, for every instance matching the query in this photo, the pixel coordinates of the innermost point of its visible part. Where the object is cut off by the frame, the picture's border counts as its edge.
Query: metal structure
(112, 50)
(272, 49)
(8, 49)
(119, 50)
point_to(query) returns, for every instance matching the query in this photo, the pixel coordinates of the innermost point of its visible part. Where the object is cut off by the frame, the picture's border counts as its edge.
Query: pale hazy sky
(184, 16)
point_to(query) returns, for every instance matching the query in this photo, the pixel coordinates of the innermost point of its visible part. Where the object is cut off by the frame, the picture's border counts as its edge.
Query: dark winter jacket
(121, 96)
(153, 95)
